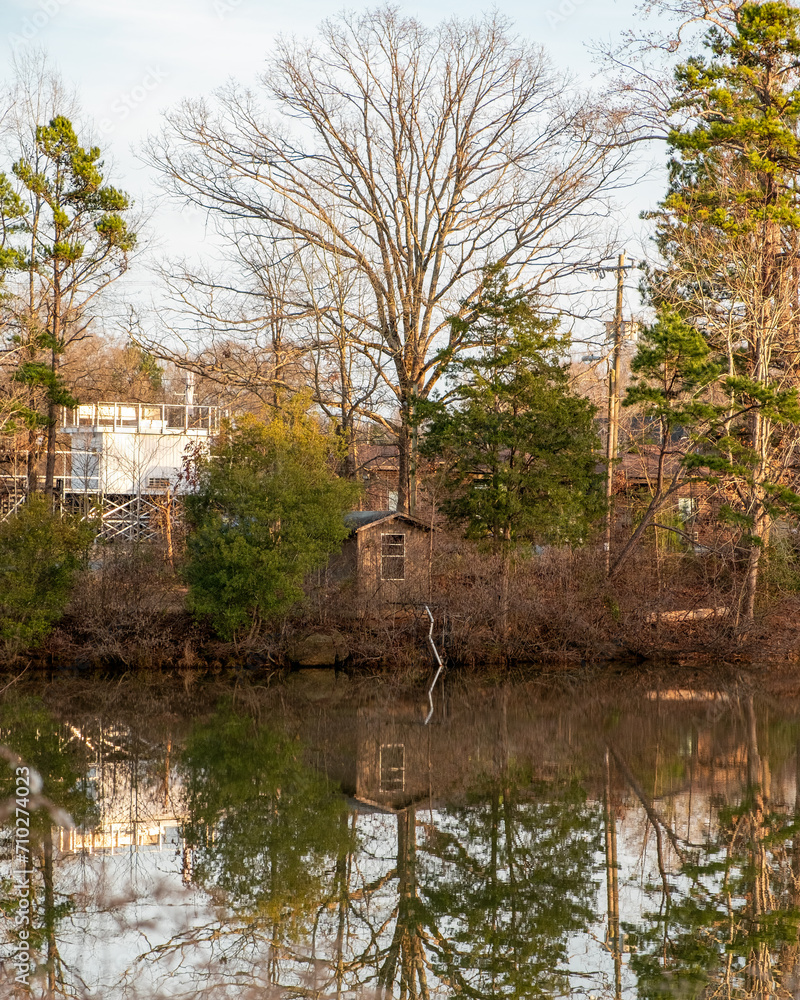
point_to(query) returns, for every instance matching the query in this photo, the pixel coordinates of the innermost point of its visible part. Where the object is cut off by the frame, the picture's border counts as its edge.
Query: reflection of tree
(30, 731)
(486, 895)
(404, 959)
(262, 824)
(510, 875)
(732, 929)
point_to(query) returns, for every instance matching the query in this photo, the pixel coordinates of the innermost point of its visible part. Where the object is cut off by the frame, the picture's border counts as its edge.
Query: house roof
(358, 519)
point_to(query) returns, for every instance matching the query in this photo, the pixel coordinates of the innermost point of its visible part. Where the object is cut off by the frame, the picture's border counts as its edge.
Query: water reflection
(34, 917)
(727, 910)
(510, 874)
(520, 847)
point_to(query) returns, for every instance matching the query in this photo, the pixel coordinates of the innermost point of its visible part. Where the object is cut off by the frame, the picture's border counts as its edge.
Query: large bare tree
(410, 157)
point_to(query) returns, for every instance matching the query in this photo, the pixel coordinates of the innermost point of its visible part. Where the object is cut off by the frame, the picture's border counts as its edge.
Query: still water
(307, 841)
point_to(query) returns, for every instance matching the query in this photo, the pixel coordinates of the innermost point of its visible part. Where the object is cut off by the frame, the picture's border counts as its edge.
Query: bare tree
(349, 380)
(233, 328)
(410, 158)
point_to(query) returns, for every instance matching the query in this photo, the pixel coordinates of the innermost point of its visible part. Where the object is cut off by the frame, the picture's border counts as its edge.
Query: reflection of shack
(396, 760)
(390, 759)
(388, 555)
(392, 765)
(384, 760)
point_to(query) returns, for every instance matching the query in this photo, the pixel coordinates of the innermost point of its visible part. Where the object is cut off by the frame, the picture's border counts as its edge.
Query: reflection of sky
(137, 901)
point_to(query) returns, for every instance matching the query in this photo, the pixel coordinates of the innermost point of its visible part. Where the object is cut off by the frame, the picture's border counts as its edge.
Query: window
(393, 557)
(391, 500)
(393, 767)
(158, 483)
(687, 507)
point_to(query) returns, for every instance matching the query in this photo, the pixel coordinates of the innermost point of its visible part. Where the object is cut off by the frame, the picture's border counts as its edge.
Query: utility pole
(614, 373)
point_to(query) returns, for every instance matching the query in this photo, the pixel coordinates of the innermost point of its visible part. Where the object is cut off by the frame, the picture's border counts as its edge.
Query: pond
(316, 839)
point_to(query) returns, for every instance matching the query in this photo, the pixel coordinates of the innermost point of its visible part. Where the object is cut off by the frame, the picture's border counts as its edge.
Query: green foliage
(263, 824)
(30, 730)
(40, 553)
(674, 366)
(716, 934)
(145, 364)
(519, 448)
(63, 219)
(268, 510)
(745, 102)
(35, 373)
(70, 184)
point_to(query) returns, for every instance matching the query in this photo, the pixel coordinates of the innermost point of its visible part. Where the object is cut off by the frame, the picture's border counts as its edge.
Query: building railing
(147, 418)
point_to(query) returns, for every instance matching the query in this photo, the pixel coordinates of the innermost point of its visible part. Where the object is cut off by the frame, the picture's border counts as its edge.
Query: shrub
(40, 552)
(268, 511)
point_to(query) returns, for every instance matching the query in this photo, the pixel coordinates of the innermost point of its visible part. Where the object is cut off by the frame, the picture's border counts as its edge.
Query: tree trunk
(761, 518)
(406, 485)
(168, 527)
(753, 565)
(32, 461)
(505, 577)
(50, 465)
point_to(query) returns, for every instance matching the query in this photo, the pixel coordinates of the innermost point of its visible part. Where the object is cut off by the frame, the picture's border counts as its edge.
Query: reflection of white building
(154, 834)
(125, 458)
(138, 801)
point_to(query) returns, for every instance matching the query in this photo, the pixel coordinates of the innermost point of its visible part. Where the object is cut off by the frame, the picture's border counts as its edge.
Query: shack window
(393, 767)
(393, 557)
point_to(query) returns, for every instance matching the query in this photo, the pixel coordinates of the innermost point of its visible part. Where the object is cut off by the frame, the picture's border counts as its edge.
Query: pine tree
(728, 236)
(66, 240)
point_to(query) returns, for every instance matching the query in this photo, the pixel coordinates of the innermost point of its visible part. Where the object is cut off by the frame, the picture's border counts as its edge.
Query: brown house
(388, 555)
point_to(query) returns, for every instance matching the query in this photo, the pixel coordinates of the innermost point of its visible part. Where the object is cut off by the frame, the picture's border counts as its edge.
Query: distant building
(116, 462)
(132, 448)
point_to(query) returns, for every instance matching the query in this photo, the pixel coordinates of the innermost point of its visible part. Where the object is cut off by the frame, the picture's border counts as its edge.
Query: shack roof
(358, 519)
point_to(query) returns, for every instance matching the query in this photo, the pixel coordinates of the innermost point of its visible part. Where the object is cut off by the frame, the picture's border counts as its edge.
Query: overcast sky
(132, 59)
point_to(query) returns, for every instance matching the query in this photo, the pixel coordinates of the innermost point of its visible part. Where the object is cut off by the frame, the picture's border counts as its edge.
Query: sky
(130, 60)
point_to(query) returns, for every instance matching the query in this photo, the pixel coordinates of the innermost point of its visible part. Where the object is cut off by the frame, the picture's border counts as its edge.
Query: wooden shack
(388, 555)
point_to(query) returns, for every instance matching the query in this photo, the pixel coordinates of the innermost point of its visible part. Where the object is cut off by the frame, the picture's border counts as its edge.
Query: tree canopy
(392, 162)
(65, 239)
(40, 553)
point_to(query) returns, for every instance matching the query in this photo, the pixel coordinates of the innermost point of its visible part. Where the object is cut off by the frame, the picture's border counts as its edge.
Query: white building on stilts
(119, 463)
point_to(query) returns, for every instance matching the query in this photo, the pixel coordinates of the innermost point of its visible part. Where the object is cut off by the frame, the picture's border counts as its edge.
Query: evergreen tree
(40, 553)
(66, 240)
(262, 823)
(519, 448)
(672, 371)
(728, 236)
